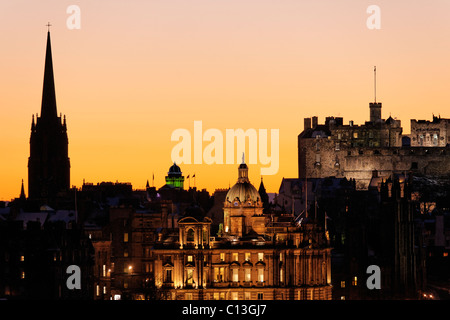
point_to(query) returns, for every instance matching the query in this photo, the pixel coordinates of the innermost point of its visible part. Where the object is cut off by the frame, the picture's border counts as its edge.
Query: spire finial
(48, 25)
(243, 157)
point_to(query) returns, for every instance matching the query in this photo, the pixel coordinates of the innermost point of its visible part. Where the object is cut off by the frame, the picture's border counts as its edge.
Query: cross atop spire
(48, 25)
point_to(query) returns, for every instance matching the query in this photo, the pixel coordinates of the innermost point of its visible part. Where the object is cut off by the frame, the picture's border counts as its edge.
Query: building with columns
(255, 256)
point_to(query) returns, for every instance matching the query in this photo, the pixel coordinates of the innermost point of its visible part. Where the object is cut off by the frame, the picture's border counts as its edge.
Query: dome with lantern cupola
(243, 190)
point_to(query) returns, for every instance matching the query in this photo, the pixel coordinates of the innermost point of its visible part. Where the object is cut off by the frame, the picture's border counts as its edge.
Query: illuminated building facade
(253, 257)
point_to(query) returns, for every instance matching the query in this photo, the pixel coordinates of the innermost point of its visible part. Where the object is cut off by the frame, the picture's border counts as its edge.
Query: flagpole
(375, 82)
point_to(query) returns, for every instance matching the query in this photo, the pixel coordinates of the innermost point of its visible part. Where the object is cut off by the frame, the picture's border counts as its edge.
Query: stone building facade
(254, 257)
(435, 133)
(355, 151)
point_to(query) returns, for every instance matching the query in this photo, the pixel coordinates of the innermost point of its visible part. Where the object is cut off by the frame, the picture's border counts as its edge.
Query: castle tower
(375, 111)
(48, 164)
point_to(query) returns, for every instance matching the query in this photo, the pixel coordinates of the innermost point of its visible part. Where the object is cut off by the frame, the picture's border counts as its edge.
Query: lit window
(235, 256)
(247, 296)
(222, 256)
(235, 275)
(104, 289)
(234, 296)
(22, 275)
(355, 135)
(97, 290)
(219, 274)
(247, 256)
(188, 296)
(355, 281)
(247, 275)
(281, 276)
(190, 276)
(22, 258)
(342, 284)
(260, 256)
(125, 237)
(189, 258)
(104, 270)
(281, 256)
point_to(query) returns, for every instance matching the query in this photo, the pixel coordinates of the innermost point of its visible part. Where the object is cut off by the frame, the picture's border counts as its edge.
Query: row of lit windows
(247, 256)
(223, 296)
(222, 257)
(56, 257)
(219, 275)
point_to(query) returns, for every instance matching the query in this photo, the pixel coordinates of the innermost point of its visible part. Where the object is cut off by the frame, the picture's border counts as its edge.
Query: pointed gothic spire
(22, 192)
(48, 106)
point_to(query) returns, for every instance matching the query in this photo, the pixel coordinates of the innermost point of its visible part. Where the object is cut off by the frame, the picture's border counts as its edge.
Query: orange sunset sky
(137, 70)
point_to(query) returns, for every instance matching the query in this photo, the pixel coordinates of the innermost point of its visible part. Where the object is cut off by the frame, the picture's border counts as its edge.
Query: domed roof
(174, 170)
(243, 191)
(243, 166)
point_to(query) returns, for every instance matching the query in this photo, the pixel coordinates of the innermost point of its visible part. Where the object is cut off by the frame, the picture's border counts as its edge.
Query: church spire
(22, 192)
(48, 106)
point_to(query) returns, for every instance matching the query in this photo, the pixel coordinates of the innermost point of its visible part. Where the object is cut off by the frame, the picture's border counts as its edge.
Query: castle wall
(359, 163)
(430, 133)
